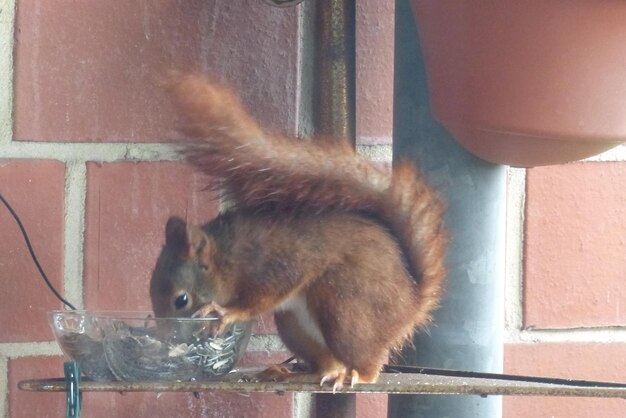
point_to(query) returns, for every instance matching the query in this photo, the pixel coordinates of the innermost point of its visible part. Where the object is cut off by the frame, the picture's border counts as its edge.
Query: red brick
(371, 405)
(374, 55)
(169, 404)
(34, 404)
(605, 362)
(127, 207)
(575, 245)
(88, 71)
(34, 189)
(118, 228)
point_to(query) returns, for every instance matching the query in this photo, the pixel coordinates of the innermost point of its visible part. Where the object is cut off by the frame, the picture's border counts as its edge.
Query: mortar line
(302, 404)
(4, 386)
(514, 254)
(299, 71)
(600, 335)
(101, 152)
(375, 140)
(304, 72)
(7, 24)
(266, 342)
(74, 230)
(304, 82)
(30, 349)
(377, 153)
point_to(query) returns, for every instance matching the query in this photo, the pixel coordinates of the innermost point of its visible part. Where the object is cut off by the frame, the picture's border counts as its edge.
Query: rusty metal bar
(334, 117)
(334, 77)
(396, 383)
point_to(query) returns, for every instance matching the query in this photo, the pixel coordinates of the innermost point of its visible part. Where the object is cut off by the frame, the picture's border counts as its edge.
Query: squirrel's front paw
(209, 310)
(217, 313)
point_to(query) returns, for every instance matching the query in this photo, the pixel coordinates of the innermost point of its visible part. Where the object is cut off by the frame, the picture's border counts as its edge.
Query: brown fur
(364, 248)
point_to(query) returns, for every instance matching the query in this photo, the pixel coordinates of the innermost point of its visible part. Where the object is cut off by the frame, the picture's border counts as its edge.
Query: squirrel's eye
(204, 267)
(181, 301)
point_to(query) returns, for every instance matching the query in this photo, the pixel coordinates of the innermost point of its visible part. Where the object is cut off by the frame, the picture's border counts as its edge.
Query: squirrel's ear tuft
(176, 233)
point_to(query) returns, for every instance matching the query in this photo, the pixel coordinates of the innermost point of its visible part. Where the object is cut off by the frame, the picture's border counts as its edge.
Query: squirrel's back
(264, 171)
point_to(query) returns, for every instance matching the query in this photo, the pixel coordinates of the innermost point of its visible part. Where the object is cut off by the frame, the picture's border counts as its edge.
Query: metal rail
(390, 383)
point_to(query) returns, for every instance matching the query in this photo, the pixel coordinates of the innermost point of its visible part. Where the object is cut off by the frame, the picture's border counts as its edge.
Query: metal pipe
(467, 334)
(334, 117)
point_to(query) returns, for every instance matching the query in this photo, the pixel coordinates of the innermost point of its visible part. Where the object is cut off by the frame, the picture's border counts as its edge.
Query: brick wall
(83, 160)
(565, 281)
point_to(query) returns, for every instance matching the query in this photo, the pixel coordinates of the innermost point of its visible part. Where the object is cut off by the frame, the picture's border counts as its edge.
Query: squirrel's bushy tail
(258, 169)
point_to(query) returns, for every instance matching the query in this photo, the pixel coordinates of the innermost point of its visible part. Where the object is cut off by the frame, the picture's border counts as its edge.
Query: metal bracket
(72, 391)
(283, 3)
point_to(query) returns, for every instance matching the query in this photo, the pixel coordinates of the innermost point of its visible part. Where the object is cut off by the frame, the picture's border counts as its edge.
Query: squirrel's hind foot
(339, 375)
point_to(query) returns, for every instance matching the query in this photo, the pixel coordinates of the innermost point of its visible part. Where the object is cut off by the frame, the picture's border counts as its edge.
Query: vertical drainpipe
(334, 117)
(468, 328)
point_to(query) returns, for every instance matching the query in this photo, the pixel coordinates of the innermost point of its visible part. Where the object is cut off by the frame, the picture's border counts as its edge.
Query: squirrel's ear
(197, 240)
(176, 233)
(187, 240)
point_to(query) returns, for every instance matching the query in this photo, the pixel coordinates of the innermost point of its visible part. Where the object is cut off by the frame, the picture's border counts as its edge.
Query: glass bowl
(133, 346)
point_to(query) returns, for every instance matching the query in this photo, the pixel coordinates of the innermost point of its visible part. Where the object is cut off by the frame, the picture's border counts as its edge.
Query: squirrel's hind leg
(309, 345)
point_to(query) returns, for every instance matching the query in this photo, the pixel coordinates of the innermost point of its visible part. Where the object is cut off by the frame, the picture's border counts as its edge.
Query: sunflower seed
(178, 350)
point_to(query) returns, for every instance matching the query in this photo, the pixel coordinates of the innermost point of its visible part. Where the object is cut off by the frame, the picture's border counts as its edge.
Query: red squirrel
(348, 255)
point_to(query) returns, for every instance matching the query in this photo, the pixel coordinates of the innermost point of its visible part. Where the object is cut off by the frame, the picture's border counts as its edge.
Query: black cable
(497, 376)
(32, 254)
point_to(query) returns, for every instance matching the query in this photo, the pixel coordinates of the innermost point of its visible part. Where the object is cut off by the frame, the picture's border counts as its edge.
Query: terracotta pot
(527, 83)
